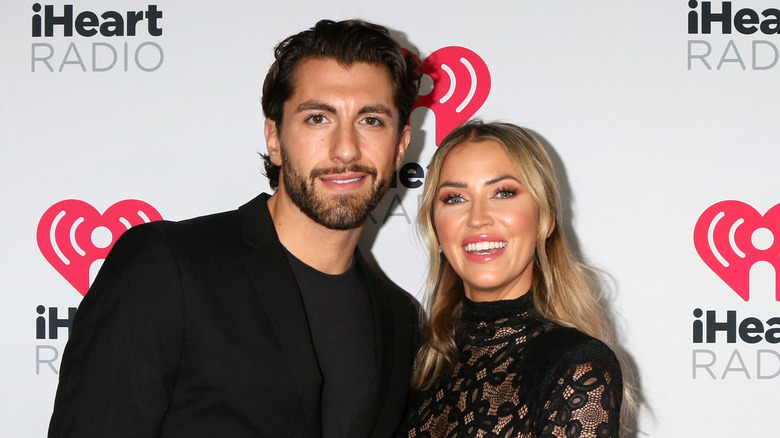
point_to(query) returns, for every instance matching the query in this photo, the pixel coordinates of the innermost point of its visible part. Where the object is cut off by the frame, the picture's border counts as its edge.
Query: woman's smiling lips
(484, 248)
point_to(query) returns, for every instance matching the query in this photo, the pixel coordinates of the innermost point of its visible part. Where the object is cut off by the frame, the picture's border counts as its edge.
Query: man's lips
(345, 181)
(343, 178)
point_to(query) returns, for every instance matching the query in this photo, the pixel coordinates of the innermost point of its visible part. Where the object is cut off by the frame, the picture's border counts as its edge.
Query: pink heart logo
(731, 236)
(461, 84)
(72, 235)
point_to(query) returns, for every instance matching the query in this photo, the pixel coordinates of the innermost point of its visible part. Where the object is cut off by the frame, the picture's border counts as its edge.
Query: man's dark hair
(346, 42)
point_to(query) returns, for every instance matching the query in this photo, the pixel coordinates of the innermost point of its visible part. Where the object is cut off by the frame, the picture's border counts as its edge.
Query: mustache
(357, 168)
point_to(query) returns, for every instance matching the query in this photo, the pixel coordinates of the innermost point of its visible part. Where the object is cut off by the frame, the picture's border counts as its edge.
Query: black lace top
(520, 376)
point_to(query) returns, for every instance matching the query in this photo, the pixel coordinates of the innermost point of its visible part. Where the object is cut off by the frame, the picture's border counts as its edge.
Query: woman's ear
(551, 227)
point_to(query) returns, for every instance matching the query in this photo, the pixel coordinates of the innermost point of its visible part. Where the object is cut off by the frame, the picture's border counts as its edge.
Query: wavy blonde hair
(564, 289)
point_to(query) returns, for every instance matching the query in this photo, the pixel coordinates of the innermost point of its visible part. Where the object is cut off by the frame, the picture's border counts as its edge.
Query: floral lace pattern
(520, 376)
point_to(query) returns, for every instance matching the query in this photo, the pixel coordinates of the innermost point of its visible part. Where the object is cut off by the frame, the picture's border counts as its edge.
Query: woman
(512, 346)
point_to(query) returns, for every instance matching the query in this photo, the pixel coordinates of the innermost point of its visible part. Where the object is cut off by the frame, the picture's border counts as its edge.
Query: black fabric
(339, 313)
(520, 376)
(196, 329)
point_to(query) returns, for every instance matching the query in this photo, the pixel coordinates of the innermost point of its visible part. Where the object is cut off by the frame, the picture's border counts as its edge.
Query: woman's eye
(452, 199)
(505, 193)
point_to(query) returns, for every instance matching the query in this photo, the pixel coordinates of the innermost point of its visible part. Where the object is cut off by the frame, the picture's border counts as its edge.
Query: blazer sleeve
(119, 366)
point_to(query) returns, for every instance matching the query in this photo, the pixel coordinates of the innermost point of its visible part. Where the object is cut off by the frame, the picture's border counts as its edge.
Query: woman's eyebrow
(462, 185)
(499, 179)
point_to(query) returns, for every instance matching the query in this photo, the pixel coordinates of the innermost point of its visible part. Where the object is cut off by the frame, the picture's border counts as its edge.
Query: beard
(336, 212)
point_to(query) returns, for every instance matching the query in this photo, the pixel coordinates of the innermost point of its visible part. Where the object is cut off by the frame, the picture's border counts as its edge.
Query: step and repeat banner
(661, 118)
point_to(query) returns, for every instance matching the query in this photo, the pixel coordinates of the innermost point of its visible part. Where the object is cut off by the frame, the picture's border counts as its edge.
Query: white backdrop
(650, 125)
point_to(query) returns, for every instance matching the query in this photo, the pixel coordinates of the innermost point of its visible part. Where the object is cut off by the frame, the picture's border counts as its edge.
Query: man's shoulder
(377, 275)
(199, 227)
(401, 295)
(208, 224)
(202, 233)
(214, 221)
(400, 299)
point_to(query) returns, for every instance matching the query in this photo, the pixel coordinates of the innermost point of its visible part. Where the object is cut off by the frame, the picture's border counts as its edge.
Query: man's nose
(345, 147)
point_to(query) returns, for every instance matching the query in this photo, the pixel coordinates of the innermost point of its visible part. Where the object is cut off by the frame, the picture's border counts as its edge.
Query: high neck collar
(496, 310)
(486, 322)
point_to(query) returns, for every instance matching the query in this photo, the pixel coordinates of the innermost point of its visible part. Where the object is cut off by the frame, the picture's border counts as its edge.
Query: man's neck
(326, 250)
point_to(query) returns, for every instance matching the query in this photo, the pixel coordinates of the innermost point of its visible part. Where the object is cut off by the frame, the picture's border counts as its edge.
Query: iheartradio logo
(461, 84)
(73, 235)
(732, 236)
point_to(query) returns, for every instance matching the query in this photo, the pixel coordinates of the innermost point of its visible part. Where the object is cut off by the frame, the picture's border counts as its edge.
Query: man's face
(339, 142)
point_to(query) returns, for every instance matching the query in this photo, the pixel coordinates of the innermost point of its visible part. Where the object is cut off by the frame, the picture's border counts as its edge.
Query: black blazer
(197, 329)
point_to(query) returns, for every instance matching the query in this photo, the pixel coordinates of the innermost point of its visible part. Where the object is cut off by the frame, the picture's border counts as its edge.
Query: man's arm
(119, 366)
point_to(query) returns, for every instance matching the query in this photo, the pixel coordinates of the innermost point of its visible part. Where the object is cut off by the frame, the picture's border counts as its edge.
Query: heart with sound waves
(461, 84)
(732, 236)
(73, 235)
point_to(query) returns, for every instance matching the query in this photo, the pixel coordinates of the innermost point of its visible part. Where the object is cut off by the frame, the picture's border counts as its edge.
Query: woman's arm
(585, 400)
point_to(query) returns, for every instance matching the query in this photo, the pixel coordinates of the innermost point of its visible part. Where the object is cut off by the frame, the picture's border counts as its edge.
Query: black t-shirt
(338, 309)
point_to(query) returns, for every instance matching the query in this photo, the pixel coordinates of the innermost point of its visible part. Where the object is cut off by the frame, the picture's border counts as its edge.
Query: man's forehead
(319, 72)
(345, 64)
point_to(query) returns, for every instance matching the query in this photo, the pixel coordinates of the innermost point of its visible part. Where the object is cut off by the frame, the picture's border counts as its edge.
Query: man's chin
(341, 212)
(335, 210)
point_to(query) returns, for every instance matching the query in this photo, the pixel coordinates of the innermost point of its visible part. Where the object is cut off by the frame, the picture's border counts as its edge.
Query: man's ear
(272, 142)
(403, 143)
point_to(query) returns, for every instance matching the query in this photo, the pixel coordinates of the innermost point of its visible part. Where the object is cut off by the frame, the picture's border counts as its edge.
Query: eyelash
(510, 191)
(449, 197)
(377, 121)
(309, 119)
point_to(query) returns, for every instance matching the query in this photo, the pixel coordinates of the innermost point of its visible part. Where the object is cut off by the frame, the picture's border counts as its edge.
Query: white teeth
(346, 181)
(483, 246)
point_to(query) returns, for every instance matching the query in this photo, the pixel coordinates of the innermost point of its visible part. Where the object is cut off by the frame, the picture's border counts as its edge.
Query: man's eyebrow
(315, 105)
(381, 109)
(322, 106)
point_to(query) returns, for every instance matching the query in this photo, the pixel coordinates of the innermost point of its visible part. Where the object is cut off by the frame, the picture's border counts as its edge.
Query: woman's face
(486, 221)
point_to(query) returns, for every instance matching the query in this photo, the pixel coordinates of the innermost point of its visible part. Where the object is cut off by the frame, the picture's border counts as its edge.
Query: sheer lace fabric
(520, 376)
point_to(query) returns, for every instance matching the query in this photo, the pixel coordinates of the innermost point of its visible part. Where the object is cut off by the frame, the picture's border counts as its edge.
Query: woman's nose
(479, 214)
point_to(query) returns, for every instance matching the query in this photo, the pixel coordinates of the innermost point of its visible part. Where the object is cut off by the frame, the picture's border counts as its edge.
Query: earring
(439, 248)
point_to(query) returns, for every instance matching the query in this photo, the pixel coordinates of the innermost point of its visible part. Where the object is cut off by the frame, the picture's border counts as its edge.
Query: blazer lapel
(273, 279)
(383, 337)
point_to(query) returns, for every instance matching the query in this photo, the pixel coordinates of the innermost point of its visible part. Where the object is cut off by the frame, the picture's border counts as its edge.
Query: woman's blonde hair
(562, 287)
(565, 290)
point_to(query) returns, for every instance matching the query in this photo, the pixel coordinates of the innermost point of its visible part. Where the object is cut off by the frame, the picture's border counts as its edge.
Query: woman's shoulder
(580, 385)
(559, 349)
(564, 363)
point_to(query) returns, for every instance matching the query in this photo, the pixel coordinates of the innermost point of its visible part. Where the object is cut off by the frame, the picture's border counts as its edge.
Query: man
(264, 321)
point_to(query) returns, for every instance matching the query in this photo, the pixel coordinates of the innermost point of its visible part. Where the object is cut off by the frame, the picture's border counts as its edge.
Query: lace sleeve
(585, 402)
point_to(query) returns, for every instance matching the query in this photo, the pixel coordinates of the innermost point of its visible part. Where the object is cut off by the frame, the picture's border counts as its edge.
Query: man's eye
(316, 119)
(372, 121)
